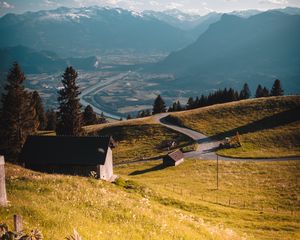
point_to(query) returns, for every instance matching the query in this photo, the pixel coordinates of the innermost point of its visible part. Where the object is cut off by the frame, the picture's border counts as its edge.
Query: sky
(200, 7)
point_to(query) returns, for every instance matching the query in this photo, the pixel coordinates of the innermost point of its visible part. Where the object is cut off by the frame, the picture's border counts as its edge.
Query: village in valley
(144, 146)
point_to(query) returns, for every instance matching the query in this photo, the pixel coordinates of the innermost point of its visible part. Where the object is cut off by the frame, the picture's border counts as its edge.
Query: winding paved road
(207, 146)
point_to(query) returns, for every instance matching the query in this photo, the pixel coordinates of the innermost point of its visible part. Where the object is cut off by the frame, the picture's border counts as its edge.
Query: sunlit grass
(269, 127)
(57, 204)
(142, 141)
(258, 198)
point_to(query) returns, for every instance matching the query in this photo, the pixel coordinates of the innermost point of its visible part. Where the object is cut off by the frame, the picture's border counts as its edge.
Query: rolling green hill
(142, 141)
(269, 127)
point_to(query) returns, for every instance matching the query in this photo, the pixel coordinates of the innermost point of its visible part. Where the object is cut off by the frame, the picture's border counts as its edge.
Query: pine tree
(18, 115)
(231, 96)
(202, 101)
(197, 102)
(159, 105)
(265, 92)
(277, 89)
(39, 108)
(190, 103)
(51, 120)
(245, 92)
(179, 107)
(69, 118)
(259, 91)
(89, 116)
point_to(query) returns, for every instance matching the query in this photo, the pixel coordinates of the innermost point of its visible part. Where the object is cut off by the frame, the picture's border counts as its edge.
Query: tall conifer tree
(69, 117)
(51, 119)
(40, 111)
(277, 89)
(89, 116)
(245, 92)
(159, 105)
(259, 91)
(18, 116)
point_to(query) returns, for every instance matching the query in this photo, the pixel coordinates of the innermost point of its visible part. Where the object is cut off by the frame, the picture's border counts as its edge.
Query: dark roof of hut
(65, 150)
(176, 155)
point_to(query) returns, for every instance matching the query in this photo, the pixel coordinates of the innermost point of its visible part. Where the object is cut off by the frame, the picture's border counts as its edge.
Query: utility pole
(3, 197)
(217, 172)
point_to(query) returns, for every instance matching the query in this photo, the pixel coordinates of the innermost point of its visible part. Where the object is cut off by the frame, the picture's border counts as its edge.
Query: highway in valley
(102, 85)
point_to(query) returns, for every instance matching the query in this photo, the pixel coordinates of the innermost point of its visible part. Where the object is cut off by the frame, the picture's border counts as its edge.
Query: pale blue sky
(194, 6)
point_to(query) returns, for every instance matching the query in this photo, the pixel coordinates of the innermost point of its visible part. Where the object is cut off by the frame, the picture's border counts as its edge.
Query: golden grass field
(269, 127)
(260, 199)
(56, 204)
(149, 202)
(142, 141)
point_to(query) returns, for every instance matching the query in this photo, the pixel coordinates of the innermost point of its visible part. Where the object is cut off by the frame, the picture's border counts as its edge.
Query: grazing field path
(207, 147)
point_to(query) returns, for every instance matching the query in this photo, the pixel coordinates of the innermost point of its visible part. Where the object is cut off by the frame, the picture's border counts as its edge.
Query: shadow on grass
(279, 119)
(276, 120)
(152, 169)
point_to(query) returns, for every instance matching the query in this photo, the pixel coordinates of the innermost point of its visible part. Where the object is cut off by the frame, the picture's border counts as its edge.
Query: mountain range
(207, 52)
(234, 50)
(93, 30)
(99, 30)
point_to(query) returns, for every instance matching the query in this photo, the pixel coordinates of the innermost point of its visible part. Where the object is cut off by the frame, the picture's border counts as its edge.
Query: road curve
(207, 147)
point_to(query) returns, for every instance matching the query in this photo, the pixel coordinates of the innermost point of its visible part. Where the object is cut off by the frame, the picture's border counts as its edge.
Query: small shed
(69, 155)
(173, 159)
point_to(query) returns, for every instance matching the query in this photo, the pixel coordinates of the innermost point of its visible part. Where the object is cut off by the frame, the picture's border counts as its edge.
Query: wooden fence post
(3, 196)
(18, 223)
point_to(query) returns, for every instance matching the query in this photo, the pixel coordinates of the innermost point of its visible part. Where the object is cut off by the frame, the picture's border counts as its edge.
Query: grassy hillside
(269, 127)
(253, 197)
(141, 141)
(137, 138)
(57, 204)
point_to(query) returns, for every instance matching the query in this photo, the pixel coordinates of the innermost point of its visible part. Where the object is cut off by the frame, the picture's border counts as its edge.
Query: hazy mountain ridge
(33, 61)
(233, 50)
(97, 30)
(176, 18)
(90, 30)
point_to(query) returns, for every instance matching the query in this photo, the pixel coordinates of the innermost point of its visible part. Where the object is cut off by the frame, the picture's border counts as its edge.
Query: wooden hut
(69, 155)
(173, 159)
